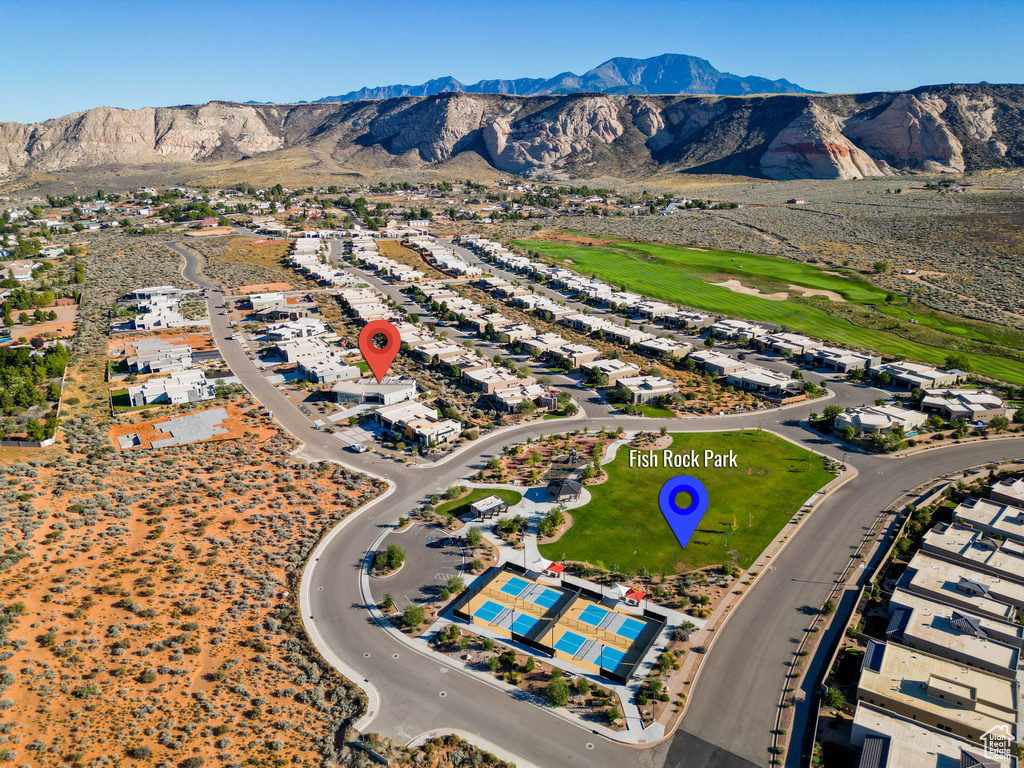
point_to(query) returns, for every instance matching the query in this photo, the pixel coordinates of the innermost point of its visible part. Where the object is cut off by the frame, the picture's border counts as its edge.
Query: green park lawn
(686, 276)
(459, 507)
(655, 411)
(622, 528)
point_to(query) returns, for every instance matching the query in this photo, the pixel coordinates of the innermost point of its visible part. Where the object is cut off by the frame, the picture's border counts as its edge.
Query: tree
(831, 413)
(581, 686)
(849, 433)
(557, 691)
(526, 407)
(388, 603)
(709, 341)
(35, 430)
(881, 267)
(474, 538)
(389, 559)
(959, 361)
(999, 423)
(413, 616)
(829, 608)
(1018, 416)
(834, 698)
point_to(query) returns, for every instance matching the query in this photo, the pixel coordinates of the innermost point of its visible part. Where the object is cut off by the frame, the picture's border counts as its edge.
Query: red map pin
(379, 356)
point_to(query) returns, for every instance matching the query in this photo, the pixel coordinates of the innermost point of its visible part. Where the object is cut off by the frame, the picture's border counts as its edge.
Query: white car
(358, 448)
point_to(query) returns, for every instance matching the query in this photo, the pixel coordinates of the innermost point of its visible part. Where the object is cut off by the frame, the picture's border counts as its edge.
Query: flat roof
(999, 518)
(912, 745)
(931, 575)
(905, 675)
(932, 622)
(1011, 488)
(1010, 633)
(1005, 559)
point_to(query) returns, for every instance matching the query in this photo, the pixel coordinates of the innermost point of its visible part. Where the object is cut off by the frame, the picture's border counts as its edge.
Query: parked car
(358, 448)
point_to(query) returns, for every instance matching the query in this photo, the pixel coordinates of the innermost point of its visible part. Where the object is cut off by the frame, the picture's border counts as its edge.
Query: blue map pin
(683, 520)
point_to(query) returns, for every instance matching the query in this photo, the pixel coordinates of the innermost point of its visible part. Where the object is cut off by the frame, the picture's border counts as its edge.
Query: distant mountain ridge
(932, 129)
(670, 73)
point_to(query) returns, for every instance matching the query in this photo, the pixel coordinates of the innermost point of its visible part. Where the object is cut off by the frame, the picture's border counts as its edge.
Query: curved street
(731, 711)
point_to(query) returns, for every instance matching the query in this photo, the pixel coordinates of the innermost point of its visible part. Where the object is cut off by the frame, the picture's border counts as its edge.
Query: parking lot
(429, 562)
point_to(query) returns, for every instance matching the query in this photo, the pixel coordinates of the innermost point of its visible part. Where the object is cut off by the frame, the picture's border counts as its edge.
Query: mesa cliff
(947, 128)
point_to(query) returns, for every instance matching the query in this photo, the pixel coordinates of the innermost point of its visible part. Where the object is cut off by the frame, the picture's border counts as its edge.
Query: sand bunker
(832, 295)
(737, 287)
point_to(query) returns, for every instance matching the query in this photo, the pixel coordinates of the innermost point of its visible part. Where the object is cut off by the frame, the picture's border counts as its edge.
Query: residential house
(976, 550)
(1010, 491)
(490, 380)
(645, 389)
(688, 319)
(880, 419)
(261, 301)
(991, 517)
(917, 376)
(667, 349)
(765, 382)
(179, 388)
(888, 740)
(627, 336)
(793, 344)
(717, 363)
(614, 370)
(936, 692)
(963, 587)
(975, 406)
(573, 355)
(164, 359)
(733, 329)
(510, 398)
(327, 370)
(303, 328)
(841, 360)
(933, 627)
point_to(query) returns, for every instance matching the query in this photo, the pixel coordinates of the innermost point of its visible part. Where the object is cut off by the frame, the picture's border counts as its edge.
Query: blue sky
(61, 57)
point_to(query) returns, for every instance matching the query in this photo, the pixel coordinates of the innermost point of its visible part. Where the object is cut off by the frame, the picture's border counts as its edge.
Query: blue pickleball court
(514, 586)
(593, 615)
(488, 611)
(547, 598)
(570, 643)
(611, 658)
(523, 623)
(630, 629)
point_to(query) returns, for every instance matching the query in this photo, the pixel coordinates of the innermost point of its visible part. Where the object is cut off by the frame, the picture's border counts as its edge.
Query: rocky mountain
(948, 128)
(666, 74)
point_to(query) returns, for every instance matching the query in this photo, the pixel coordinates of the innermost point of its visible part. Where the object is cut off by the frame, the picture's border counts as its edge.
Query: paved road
(732, 710)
